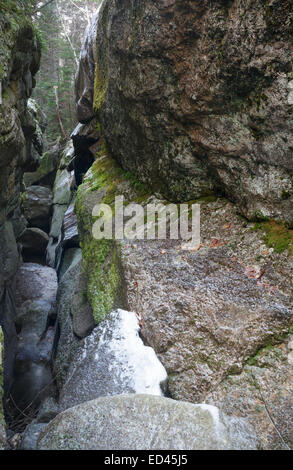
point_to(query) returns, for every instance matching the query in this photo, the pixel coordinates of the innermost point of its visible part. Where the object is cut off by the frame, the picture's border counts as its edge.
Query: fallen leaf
(190, 248)
(216, 243)
(197, 248)
(251, 271)
(227, 226)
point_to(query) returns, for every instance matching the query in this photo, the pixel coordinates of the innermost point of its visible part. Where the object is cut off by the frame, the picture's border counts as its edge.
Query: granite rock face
(197, 96)
(263, 392)
(20, 57)
(137, 422)
(206, 312)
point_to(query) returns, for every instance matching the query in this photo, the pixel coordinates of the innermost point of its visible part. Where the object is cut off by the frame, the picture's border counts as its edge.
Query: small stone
(290, 98)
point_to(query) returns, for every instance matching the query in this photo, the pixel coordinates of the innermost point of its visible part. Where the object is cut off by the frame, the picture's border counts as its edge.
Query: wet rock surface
(48, 410)
(153, 423)
(113, 361)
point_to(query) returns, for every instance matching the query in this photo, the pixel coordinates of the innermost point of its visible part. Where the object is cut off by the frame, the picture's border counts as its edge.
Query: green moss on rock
(100, 87)
(276, 235)
(101, 266)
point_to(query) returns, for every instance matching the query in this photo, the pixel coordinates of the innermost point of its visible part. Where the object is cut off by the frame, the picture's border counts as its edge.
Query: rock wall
(19, 148)
(210, 314)
(2, 423)
(196, 97)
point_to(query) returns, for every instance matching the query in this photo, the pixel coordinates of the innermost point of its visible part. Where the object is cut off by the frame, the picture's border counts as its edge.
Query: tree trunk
(58, 112)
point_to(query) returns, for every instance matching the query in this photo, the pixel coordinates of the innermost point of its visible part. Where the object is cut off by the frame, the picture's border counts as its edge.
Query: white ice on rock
(139, 363)
(113, 361)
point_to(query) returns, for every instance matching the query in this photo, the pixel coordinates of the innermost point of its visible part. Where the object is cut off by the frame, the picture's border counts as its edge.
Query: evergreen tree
(61, 25)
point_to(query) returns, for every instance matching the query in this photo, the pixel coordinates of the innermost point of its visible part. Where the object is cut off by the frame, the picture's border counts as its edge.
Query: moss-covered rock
(276, 235)
(14, 18)
(101, 258)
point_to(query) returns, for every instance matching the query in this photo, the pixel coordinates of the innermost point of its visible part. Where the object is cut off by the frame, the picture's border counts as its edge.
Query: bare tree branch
(67, 35)
(58, 112)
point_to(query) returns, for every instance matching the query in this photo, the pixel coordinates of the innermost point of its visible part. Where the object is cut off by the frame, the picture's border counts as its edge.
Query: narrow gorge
(134, 343)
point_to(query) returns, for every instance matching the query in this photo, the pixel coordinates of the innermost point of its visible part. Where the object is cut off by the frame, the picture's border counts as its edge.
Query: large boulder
(20, 57)
(34, 242)
(62, 187)
(194, 96)
(138, 422)
(37, 204)
(113, 361)
(46, 172)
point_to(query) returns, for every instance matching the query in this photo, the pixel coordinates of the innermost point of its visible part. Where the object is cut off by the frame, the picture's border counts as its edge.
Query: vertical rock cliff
(20, 57)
